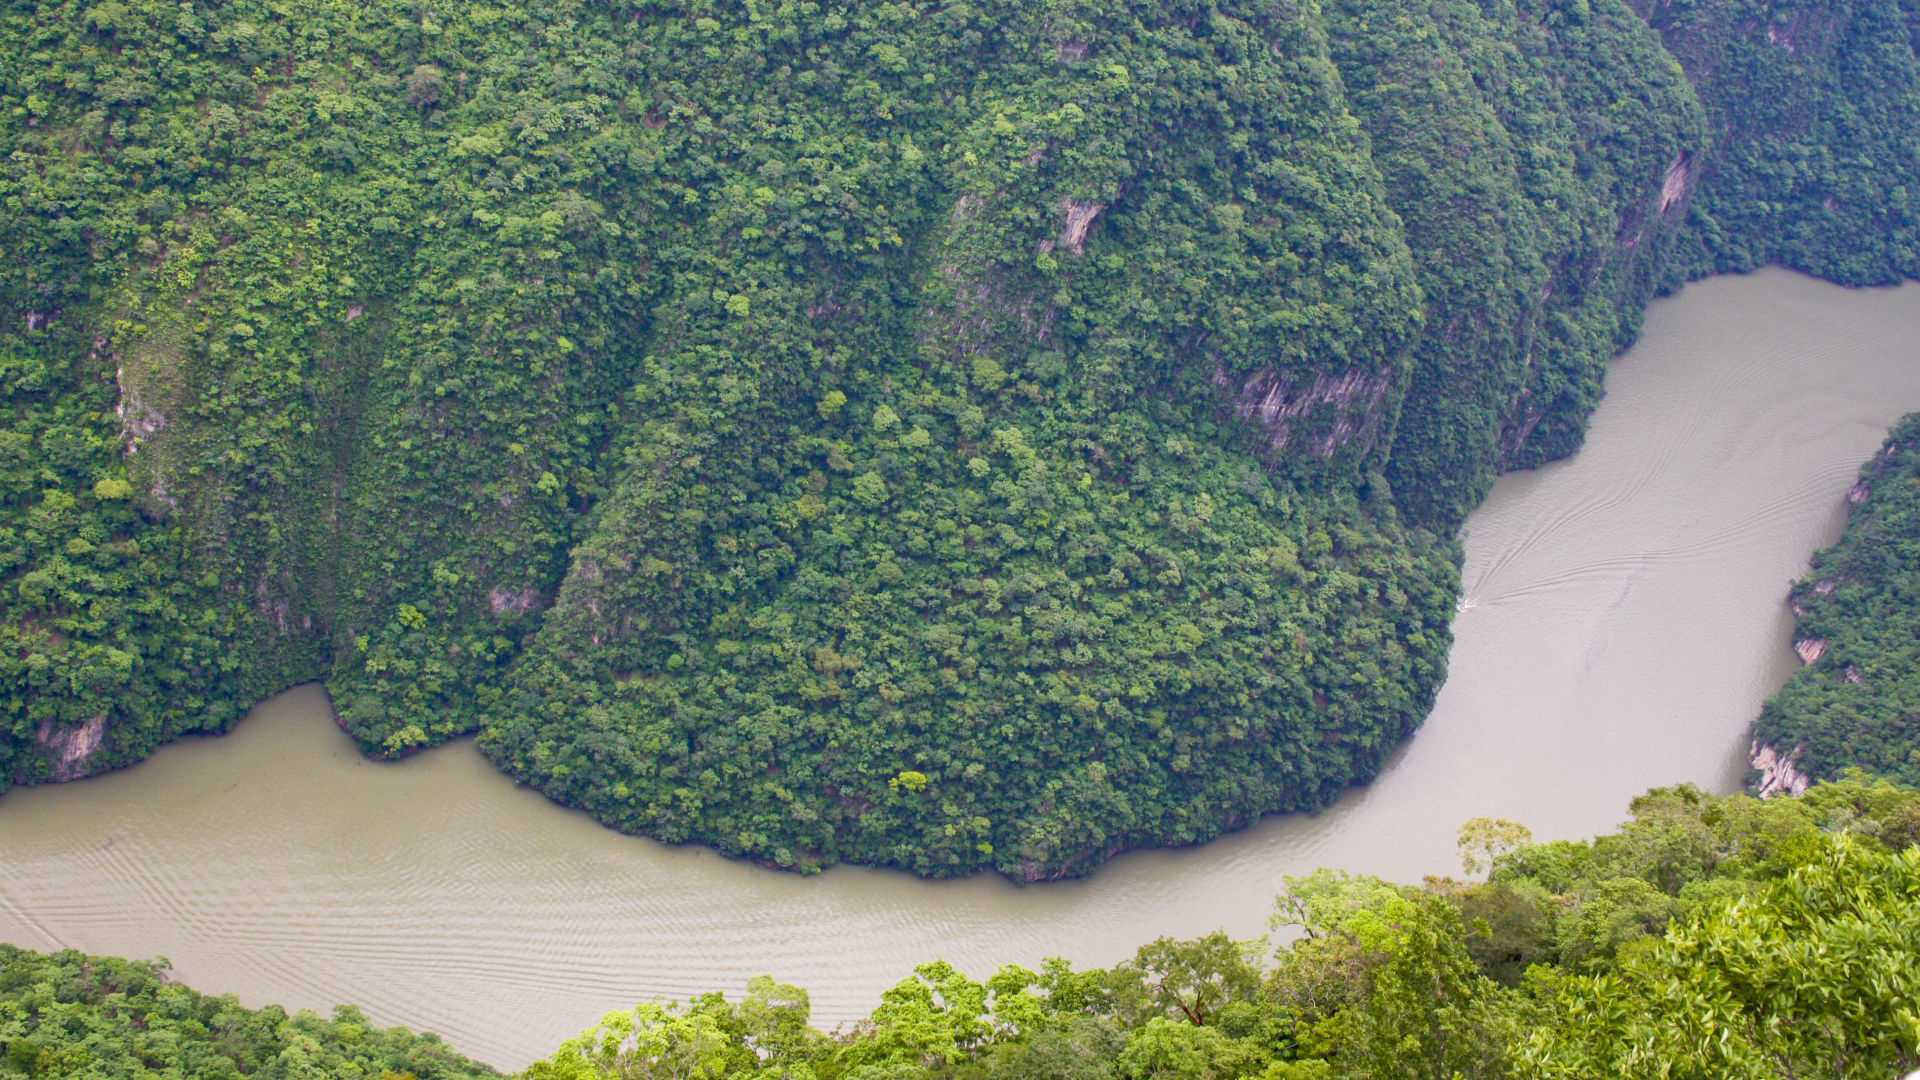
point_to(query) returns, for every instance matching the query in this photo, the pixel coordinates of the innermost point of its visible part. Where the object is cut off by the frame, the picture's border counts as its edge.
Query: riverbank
(1626, 624)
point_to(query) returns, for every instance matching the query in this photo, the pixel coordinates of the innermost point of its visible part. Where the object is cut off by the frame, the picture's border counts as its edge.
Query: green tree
(1817, 974)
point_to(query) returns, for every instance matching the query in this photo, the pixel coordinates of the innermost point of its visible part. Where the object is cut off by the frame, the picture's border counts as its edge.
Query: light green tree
(1483, 840)
(1816, 974)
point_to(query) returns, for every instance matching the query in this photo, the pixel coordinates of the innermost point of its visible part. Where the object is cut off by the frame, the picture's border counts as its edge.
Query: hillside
(955, 437)
(1856, 702)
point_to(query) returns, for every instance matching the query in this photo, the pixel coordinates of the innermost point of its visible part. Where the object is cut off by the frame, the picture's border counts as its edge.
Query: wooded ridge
(965, 436)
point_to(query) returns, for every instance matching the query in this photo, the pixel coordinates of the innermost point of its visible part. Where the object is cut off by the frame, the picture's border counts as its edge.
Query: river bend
(1623, 618)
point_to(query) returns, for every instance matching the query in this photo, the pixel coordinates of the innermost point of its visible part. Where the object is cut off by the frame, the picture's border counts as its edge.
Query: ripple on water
(1623, 620)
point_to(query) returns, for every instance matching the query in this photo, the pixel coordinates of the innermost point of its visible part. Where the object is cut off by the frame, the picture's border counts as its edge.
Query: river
(1623, 619)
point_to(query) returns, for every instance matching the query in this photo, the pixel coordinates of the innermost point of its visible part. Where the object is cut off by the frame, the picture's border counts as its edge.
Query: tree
(1483, 840)
(1413, 1003)
(648, 1042)
(425, 85)
(1816, 974)
(1190, 980)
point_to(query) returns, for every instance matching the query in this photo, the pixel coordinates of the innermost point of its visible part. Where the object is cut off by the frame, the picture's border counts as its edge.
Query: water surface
(1623, 618)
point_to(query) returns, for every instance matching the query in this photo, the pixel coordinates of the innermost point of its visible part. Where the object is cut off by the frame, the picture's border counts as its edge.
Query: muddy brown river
(1623, 618)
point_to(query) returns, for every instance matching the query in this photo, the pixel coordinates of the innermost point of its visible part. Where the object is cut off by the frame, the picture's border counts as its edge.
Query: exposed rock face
(1801, 33)
(989, 302)
(1526, 415)
(1355, 398)
(1810, 649)
(1796, 602)
(1861, 488)
(273, 608)
(67, 749)
(1078, 218)
(1778, 774)
(138, 419)
(517, 601)
(1679, 181)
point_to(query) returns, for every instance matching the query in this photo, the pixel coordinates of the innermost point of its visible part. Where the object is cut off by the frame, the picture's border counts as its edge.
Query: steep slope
(991, 435)
(1856, 702)
(1816, 110)
(975, 573)
(1518, 146)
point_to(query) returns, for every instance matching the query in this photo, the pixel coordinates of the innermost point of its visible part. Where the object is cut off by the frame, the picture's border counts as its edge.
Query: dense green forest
(955, 436)
(1709, 938)
(1857, 700)
(68, 1015)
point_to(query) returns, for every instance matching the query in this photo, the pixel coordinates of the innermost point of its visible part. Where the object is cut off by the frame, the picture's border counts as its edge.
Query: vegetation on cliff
(988, 435)
(1711, 937)
(1857, 700)
(1817, 106)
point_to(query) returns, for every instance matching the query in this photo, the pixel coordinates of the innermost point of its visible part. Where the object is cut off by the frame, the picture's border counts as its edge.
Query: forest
(1711, 937)
(1857, 700)
(952, 436)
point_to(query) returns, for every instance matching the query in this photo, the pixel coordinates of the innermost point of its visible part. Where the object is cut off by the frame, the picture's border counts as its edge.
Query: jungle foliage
(1722, 937)
(981, 435)
(1711, 937)
(69, 1015)
(1858, 703)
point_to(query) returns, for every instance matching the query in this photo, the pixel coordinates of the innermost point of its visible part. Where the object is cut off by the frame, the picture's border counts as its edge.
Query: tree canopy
(982, 435)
